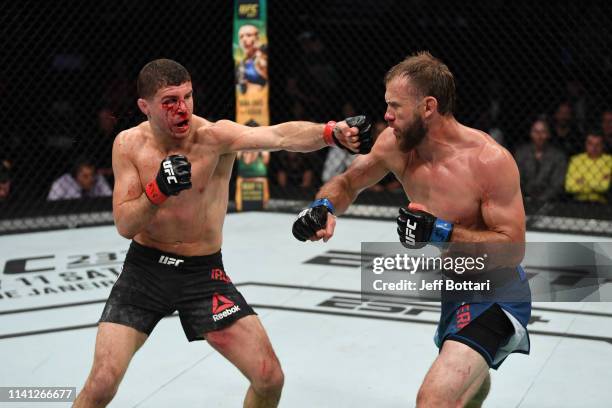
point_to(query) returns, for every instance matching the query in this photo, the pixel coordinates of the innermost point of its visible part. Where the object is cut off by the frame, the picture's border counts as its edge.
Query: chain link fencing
(525, 71)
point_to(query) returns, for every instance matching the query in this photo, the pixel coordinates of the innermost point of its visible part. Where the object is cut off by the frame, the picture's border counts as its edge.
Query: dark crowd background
(535, 75)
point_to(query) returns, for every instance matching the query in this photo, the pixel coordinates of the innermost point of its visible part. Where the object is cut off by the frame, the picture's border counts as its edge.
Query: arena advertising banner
(251, 62)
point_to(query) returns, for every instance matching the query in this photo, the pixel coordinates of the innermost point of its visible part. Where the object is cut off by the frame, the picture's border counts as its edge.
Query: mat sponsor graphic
(563, 321)
(59, 274)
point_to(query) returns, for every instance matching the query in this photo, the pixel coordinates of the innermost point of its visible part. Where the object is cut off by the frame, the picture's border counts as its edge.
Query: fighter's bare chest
(449, 190)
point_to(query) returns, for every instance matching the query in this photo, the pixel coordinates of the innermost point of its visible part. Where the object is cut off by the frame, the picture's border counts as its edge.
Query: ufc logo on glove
(411, 227)
(171, 178)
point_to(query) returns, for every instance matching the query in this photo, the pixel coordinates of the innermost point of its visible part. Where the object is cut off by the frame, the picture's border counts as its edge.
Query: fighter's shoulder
(487, 151)
(385, 143)
(490, 158)
(208, 131)
(131, 138)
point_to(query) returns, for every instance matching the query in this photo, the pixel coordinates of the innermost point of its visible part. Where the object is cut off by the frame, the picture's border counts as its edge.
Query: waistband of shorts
(154, 255)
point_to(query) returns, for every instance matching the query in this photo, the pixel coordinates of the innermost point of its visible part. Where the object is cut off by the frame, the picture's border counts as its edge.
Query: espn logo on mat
(166, 260)
(223, 307)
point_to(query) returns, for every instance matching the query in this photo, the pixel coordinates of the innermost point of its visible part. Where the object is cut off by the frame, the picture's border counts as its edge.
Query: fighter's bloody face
(172, 108)
(402, 114)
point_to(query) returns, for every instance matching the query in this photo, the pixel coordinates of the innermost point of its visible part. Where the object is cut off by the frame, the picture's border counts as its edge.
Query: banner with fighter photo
(251, 62)
(251, 66)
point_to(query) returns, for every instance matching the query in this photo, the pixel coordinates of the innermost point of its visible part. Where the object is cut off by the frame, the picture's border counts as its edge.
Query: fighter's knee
(481, 394)
(102, 385)
(430, 397)
(269, 379)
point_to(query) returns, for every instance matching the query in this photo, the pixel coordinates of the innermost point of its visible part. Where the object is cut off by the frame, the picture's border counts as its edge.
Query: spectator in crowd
(99, 142)
(564, 132)
(542, 166)
(588, 175)
(5, 183)
(337, 159)
(490, 118)
(579, 100)
(606, 129)
(294, 170)
(119, 91)
(312, 76)
(81, 182)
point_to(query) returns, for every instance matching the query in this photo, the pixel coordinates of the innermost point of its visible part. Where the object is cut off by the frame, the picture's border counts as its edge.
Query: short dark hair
(158, 74)
(596, 132)
(79, 163)
(430, 76)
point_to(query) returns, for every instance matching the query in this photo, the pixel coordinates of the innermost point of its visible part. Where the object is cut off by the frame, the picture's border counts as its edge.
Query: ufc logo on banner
(166, 260)
(410, 228)
(171, 178)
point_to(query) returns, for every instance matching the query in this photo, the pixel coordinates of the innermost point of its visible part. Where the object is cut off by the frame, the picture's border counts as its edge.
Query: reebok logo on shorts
(166, 260)
(223, 307)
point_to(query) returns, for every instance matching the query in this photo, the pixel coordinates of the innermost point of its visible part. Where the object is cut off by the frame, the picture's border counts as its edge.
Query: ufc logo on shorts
(171, 178)
(166, 260)
(410, 228)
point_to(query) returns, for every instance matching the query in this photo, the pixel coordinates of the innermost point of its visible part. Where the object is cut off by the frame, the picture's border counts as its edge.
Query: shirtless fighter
(171, 192)
(464, 187)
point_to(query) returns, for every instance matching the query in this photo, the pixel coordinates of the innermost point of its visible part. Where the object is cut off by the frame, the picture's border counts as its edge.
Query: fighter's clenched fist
(173, 177)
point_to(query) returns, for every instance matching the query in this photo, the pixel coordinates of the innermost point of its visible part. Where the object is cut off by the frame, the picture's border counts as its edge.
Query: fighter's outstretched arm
(297, 136)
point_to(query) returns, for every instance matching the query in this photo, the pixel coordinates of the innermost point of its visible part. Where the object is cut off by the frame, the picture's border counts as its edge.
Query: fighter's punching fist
(364, 137)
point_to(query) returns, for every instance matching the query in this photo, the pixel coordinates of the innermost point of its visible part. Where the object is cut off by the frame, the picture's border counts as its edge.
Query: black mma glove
(173, 177)
(312, 219)
(416, 228)
(362, 123)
